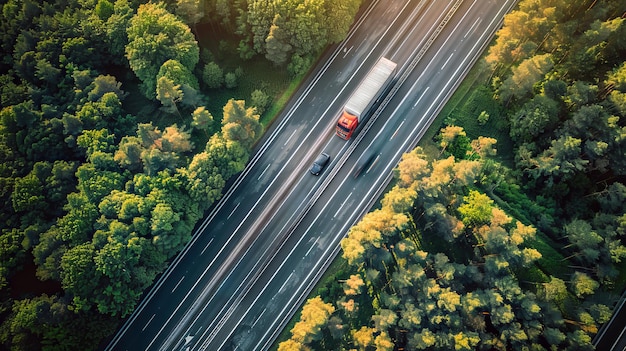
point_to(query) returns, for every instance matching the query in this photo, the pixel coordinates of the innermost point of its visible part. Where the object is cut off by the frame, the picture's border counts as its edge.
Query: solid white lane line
(265, 170)
(373, 164)
(206, 246)
(230, 238)
(346, 52)
(397, 130)
(282, 287)
(418, 47)
(420, 44)
(342, 205)
(290, 136)
(150, 320)
(233, 211)
(177, 284)
(421, 96)
(310, 248)
(257, 319)
(445, 63)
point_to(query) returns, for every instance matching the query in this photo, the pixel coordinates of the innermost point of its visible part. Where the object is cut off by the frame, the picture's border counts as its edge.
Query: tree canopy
(156, 36)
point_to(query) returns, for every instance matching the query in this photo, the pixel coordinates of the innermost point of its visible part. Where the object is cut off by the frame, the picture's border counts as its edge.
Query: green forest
(121, 122)
(505, 229)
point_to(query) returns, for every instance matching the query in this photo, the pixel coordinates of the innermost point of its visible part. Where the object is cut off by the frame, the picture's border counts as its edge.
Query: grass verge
(277, 106)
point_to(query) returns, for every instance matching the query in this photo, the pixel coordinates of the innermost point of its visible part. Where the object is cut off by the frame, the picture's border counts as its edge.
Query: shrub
(260, 100)
(230, 80)
(213, 75)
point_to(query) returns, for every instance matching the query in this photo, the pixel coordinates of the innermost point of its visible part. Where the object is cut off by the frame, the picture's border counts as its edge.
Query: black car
(320, 162)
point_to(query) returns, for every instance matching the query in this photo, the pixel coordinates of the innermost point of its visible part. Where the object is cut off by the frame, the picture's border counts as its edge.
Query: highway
(255, 258)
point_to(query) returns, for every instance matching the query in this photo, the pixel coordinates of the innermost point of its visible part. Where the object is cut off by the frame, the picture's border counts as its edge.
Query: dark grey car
(320, 162)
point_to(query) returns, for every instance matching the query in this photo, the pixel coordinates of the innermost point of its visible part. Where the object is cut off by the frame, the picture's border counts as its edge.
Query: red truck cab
(346, 125)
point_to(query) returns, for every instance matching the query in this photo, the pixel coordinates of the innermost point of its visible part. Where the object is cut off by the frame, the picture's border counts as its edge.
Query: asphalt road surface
(252, 262)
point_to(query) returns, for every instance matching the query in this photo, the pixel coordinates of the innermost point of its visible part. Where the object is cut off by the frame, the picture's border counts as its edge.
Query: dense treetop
(155, 38)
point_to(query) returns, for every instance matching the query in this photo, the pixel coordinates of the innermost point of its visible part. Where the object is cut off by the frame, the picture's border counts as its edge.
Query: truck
(370, 90)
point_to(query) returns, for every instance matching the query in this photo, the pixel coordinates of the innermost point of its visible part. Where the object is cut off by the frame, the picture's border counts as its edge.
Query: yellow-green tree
(241, 123)
(315, 314)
